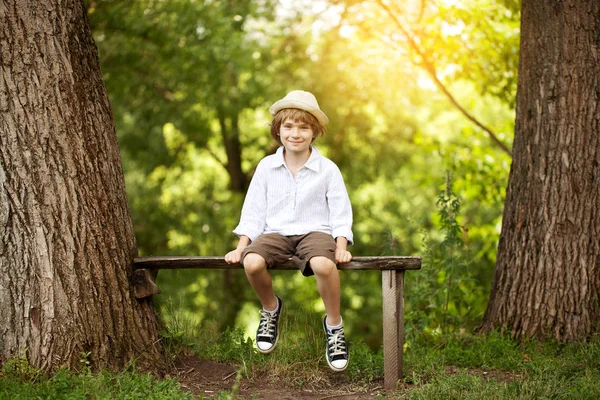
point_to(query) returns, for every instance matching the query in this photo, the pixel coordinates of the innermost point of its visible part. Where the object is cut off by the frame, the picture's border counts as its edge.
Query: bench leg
(393, 326)
(144, 283)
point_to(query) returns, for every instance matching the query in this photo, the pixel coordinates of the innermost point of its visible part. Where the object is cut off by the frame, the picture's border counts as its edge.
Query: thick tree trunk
(547, 277)
(66, 237)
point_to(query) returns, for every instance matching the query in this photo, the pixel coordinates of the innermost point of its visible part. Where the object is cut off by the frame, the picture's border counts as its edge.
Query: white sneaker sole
(334, 368)
(271, 349)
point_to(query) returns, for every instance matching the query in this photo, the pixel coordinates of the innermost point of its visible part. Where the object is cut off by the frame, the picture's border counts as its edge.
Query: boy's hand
(234, 256)
(342, 256)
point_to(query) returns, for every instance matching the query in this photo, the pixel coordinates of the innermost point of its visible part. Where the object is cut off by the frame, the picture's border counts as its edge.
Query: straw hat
(302, 100)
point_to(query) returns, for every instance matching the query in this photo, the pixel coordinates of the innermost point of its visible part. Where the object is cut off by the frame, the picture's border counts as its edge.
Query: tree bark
(547, 277)
(66, 236)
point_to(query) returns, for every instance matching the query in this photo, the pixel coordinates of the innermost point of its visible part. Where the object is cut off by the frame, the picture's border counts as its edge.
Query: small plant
(234, 345)
(84, 362)
(19, 369)
(365, 366)
(178, 330)
(444, 296)
(450, 248)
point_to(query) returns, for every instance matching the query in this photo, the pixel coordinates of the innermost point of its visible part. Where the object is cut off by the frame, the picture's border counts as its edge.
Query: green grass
(495, 367)
(436, 366)
(298, 360)
(66, 384)
(451, 366)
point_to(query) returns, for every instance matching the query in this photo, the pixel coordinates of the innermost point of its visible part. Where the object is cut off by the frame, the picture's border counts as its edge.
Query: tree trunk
(66, 237)
(547, 277)
(238, 180)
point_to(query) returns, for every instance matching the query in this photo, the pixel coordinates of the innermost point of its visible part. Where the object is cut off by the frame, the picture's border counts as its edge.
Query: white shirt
(315, 200)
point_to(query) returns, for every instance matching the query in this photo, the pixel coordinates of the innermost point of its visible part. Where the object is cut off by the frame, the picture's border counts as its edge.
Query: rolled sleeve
(254, 210)
(242, 230)
(344, 232)
(340, 208)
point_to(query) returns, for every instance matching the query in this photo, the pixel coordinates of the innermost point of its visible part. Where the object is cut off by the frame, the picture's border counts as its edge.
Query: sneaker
(337, 350)
(268, 329)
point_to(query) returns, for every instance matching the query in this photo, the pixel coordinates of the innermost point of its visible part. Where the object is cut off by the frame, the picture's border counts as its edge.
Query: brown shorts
(276, 248)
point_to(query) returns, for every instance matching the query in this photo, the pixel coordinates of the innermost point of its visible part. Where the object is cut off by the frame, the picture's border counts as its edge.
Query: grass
(299, 359)
(66, 384)
(436, 366)
(450, 366)
(495, 367)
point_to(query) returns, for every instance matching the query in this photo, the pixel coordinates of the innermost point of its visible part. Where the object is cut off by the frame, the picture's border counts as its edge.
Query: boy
(296, 207)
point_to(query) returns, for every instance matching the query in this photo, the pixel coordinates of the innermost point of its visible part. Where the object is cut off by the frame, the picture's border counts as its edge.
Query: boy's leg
(315, 254)
(267, 333)
(264, 251)
(255, 267)
(319, 249)
(328, 285)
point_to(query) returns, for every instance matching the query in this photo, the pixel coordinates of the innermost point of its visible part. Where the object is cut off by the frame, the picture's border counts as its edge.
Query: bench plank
(357, 263)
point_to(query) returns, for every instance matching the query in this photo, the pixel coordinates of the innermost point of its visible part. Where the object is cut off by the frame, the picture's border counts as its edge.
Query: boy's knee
(254, 263)
(322, 265)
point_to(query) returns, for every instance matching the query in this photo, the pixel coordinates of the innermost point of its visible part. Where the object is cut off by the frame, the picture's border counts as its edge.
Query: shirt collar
(312, 162)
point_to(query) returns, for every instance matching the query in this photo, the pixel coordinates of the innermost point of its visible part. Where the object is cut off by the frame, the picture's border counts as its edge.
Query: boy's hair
(299, 116)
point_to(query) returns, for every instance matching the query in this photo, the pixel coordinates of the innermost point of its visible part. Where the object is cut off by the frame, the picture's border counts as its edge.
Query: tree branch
(215, 156)
(430, 68)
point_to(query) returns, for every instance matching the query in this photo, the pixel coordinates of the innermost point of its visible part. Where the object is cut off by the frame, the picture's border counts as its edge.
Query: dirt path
(209, 378)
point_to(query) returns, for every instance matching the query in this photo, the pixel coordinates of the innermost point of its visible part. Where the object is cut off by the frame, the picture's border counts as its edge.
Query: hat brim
(285, 103)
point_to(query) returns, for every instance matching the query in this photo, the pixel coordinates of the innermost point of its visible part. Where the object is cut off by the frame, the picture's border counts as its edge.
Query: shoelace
(337, 343)
(267, 324)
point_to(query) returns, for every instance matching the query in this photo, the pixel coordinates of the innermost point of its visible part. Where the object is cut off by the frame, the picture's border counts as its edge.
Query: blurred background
(420, 96)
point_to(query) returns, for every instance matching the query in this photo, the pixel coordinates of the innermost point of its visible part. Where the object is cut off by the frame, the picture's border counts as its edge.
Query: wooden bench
(392, 270)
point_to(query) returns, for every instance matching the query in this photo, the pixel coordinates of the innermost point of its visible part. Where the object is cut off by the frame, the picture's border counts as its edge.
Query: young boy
(296, 207)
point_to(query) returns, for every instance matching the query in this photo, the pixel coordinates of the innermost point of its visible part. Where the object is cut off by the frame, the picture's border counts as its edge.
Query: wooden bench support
(144, 284)
(392, 271)
(392, 291)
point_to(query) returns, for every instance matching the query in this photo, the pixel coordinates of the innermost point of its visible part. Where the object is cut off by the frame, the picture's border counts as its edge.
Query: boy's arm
(340, 209)
(341, 254)
(254, 210)
(234, 256)
(252, 220)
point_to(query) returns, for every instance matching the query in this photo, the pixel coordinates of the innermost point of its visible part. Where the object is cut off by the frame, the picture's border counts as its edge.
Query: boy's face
(296, 136)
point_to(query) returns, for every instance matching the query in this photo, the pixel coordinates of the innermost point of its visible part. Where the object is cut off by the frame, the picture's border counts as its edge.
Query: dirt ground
(209, 378)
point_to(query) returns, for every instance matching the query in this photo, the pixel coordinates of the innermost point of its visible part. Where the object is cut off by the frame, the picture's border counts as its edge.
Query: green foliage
(445, 297)
(188, 80)
(18, 369)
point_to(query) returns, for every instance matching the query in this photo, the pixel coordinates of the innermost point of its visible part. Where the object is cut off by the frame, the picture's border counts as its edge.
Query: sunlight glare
(453, 29)
(346, 31)
(424, 82)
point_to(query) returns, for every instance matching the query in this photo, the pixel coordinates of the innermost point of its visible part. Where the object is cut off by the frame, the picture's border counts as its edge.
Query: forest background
(420, 96)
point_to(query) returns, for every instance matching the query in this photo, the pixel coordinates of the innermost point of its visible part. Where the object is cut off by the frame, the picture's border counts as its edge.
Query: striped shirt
(315, 200)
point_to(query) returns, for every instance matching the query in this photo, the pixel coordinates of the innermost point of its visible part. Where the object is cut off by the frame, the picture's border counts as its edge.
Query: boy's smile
(296, 137)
